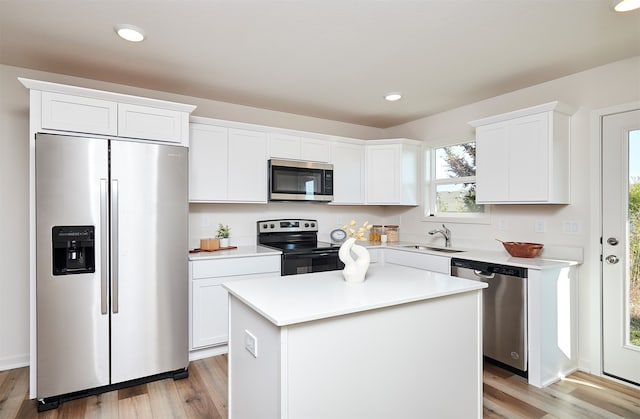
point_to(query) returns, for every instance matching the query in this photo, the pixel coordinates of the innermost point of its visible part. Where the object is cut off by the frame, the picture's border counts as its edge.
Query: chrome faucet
(445, 232)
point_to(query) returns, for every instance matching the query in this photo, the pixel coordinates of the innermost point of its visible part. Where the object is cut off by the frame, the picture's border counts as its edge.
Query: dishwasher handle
(484, 275)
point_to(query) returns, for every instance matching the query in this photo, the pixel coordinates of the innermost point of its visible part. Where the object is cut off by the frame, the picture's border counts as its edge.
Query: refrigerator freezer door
(72, 332)
(149, 329)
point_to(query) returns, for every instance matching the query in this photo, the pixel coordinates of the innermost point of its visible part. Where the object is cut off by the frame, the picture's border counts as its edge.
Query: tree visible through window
(453, 182)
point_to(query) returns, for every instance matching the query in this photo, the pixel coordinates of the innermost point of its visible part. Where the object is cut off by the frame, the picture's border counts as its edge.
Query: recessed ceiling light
(625, 5)
(129, 32)
(392, 97)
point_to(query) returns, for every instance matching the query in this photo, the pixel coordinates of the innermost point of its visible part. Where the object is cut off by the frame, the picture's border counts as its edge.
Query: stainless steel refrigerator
(112, 273)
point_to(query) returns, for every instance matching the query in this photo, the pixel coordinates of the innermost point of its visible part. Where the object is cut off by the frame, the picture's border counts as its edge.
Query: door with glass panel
(621, 245)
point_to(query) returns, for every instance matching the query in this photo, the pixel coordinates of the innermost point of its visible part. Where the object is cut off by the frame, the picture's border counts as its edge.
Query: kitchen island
(404, 343)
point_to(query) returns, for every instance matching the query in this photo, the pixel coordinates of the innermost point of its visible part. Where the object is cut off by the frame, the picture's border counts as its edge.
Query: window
(451, 184)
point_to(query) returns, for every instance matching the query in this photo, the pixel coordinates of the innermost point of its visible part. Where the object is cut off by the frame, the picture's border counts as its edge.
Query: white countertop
(490, 256)
(299, 298)
(240, 251)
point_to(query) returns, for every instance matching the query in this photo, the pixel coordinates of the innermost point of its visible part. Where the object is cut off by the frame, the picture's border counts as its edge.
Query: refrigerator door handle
(104, 248)
(114, 246)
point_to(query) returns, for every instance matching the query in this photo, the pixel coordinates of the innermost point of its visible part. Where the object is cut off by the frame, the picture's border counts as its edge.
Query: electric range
(298, 241)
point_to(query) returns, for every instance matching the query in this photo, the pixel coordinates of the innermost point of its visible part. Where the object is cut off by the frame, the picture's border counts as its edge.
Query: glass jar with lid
(392, 232)
(375, 233)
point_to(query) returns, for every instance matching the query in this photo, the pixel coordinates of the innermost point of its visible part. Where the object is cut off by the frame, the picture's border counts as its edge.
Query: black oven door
(314, 261)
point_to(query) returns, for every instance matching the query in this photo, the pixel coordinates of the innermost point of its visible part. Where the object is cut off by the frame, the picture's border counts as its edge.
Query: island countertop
(295, 299)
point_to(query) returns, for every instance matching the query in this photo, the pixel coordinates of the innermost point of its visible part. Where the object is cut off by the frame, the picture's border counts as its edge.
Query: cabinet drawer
(149, 123)
(424, 261)
(235, 266)
(79, 114)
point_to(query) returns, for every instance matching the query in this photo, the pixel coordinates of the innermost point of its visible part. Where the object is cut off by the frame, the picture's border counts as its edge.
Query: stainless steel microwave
(294, 180)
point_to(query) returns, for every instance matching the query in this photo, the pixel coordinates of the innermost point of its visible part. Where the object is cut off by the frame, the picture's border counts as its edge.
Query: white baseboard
(12, 362)
(208, 352)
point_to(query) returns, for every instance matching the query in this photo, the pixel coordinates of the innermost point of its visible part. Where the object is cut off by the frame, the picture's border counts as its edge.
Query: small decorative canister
(392, 232)
(375, 233)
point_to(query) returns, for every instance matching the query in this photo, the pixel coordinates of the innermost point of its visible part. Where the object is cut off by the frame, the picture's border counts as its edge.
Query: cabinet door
(492, 160)
(149, 123)
(384, 174)
(282, 146)
(512, 160)
(209, 313)
(79, 114)
(315, 150)
(208, 163)
(348, 173)
(247, 166)
(528, 159)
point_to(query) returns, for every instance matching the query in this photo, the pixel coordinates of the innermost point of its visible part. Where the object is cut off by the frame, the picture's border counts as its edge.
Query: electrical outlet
(251, 343)
(205, 221)
(503, 225)
(539, 226)
(571, 227)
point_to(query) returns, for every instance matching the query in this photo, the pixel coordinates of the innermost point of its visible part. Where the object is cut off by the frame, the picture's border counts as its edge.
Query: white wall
(613, 84)
(14, 191)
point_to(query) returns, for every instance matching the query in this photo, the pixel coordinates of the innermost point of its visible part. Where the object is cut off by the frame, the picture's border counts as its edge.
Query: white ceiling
(332, 59)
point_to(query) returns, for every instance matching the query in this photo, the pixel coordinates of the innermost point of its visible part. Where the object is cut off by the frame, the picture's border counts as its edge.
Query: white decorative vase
(224, 242)
(354, 269)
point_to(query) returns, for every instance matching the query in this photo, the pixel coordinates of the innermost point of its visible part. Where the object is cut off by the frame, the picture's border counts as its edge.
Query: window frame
(429, 190)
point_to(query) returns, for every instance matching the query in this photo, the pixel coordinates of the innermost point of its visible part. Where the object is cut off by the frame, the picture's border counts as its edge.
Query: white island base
(405, 343)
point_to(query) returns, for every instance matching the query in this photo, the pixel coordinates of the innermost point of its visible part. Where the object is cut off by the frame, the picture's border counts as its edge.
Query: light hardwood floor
(204, 395)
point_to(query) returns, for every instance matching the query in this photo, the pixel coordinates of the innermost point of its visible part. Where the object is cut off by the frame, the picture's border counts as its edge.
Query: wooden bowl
(523, 249)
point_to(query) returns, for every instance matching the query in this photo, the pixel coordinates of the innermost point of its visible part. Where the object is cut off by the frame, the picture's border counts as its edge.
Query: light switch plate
(539, 226)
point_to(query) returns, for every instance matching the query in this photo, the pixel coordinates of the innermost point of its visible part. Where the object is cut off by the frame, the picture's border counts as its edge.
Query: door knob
(612, 259)
(612, 241)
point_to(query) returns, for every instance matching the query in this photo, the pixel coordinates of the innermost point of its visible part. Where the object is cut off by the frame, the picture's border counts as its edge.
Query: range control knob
(306, 224)
(273, 226)
(313, 224)
(265, 225)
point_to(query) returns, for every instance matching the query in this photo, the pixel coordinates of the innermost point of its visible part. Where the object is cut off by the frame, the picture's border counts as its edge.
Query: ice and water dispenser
(73, 249)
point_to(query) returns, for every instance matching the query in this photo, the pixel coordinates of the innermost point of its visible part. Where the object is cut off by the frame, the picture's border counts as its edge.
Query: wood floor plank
(103, 406)
(516, 406)
(197, 402)
(216, 381)
(13, 386)
(165, 400)
(138, 407)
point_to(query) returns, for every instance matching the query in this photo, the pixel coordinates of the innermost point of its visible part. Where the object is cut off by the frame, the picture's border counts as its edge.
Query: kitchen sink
(433, 249)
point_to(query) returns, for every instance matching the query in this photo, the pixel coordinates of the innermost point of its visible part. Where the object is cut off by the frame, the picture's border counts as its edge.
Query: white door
(620, 245)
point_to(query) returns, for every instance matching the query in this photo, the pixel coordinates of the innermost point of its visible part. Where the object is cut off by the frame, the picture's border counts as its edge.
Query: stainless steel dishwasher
(504, 309)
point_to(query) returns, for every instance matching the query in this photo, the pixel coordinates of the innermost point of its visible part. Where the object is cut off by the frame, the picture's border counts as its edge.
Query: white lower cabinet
(209, 311)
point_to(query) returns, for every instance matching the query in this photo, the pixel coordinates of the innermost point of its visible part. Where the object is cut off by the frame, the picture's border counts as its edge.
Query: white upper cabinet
(293, 147)
(522, 157)
(392, 172)
(227, 164)
(208, 163)
(70, 109)
(150, 123)
(80, 114)
(348, 173)
(247, 166)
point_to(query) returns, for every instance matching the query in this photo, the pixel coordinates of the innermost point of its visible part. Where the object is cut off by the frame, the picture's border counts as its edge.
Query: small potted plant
(223, 235)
